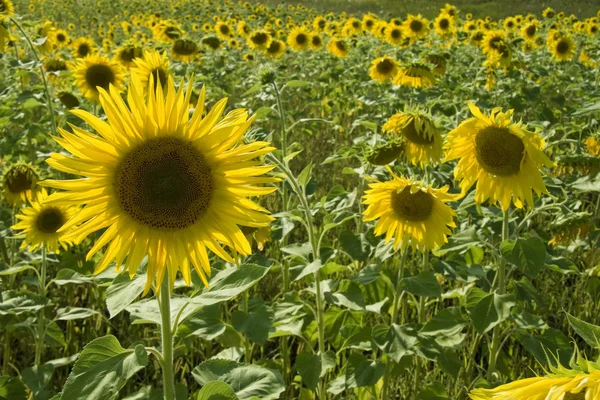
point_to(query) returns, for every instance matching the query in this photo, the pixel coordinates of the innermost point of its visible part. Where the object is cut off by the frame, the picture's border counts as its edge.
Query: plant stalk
(42, 315)
(164, 303)
(421, 321)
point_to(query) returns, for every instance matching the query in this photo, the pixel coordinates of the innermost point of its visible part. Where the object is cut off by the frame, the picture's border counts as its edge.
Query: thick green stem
(247, 347)
(421, 321)
(6, 355)
(501, 289)
(164, 303)
(42, 315)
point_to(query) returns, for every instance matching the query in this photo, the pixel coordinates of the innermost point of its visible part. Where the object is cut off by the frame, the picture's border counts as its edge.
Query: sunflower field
(233, 200)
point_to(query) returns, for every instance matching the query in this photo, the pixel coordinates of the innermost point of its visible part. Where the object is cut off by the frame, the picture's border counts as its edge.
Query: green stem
(6, 355)
(42, 315)
(43, 74)
(248, 349)
(501, 289)
(395, 309)
(164, 303)
(421, 321)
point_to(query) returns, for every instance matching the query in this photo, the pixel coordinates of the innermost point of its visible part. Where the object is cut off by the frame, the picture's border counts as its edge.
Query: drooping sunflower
(299, 39)
(165, 184)
(20, 183)
(83, 47)
(184, 50)
(167, 32)
(54, 66)
(439, 61)
(423, 141)
(276, 49)
(40, 223)
(259, 40)
(569, 228)
(127, 54)
(96, 71)
(563, 49)
(153, 65)
(383, 69)
(416, 74)
(501, 156)
(68, 99)
(338, 47)
(410, 212)
(415, 26)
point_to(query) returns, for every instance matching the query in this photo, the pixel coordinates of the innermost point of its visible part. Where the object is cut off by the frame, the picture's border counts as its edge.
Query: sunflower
(184, 50)
(439, 61)
(127, 54)
(567, 229)
(165, 184)
(96, 71)
(7, 9)
(415, 26)
(563, 49)
(223, 30)
(502, 157)
(394, 34)
(386, 153)
(410, 212)
(243, 29)
(592, 146)
(20, 183)
(529, 31)
(315, 41)
(53, 66)
(423, 140)
(212, 42)
(68, 99)
(509, 23)
(60, 38)
(319, 24)
(276, 49)
(338, 47)
(444, 25)
(248, 57)
(259, 40)
(40, 223)
(83, 47)
(44, 31)
(153, 66)
(493, 41)
(167, 32)
(383, 69)
(299, 39)
(548, 13)
(416, 74)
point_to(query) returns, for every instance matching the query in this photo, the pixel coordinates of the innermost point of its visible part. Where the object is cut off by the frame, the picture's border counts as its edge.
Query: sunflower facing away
(410, 212)
(423, 142)
(416, 75)
(184, 50)
(40, 223)
(164, 183)
(338, 47)
(383, 69)
(501, 156)
(20, 183)
(95, 71)
(259, 40)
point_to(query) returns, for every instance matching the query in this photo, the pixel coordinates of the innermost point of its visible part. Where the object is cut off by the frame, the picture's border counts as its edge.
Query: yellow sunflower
(184, 50)
(7, 9)
(383, 69)
(394, 34)
(410, 212)
(153, 66)
(167, 32)
(20, 183)
(563, 49)
(299, 39)
(40, 222)
(423, 141)
(243, 29)
(315, 41)
(529, 31)
(83, 47)
(319, 24)
(276, 49)
(95, 71)
(548, 13)
(415, 26)
(164, 183)
(259, 40)
(592, 146)
(493, 41)
(444, 25)
(223, 30)
(127, 54)
(338, 47)
(501, 156)
(416, 75)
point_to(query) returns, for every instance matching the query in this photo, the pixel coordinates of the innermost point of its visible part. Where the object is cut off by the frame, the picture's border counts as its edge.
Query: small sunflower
(60, 38)
(444, 25)
(383, 69)
(184, 50)
(243, 29)
(7, 9)
(416, 75)
(529, 31)
(299, 39)
(501, 156)
(259, 40)
(338, 47)
(83, 47)
(493, 41)
(315, 41)
(20, 183)
(162, 183)
(223, 30)
(394, 34)
(548, 13)
(410, 212)
(415, 26)
(96, 71)
(423, 141)
(40, 224)
(592, 146)
(153, 66)
(127, 54)
(563, 49)
(276, 49)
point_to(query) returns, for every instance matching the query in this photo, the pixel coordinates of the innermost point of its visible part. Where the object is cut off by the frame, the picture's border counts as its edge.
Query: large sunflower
(423, 141)
(152, 65)
(20, 183)
(410, 212)
(562, 49)
(95, 71)
(415, 26)
(40, 222)
(259, 40)
(299, 39)
(163, 183)
(383, 69)
(501, 156)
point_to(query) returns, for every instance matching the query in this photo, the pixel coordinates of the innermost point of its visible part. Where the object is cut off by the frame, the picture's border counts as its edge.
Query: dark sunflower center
(411, 133)
(396, 33)
(385, 67)
(19, 180)
(369, 23)
(83, 50)
(60, 37)
(341, 46)
(530, 30)
(172, 32)
(2, 7)
(416, 25)
(130, 53)
(184, 47)
(99, 75)
(274, 47)
(510, 24)
(164, 183)
(316, 41)
(260, 38)
(594, 29)
(301, 38)
(562, 47)
(413, 207)
(322, 24)
(224, 29)
(495, 42)
(478, 36)
(56, 65)
(498, 151)
(444, 23)
(356, 24)
(50, 220)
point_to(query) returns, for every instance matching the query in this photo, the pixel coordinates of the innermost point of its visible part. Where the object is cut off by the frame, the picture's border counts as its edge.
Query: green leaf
(447, 322)
(295, 84)
(545, 347)
(308, 366)
(230, 282)
(102, 370)
(217, 391)
(11, 388)
(589, 332)
(124, 290)
(37, 379)
(66, 275)
(491, 310)
(247, 381)
(396, 340)
(529, 255)
(255, 324)
(263, 112)
(353, 245)
(206, 323)
(71, 313)
(253, 89)
(305, 176)
(363, 372)
(31, 103)
(16, 270)
(425, 284)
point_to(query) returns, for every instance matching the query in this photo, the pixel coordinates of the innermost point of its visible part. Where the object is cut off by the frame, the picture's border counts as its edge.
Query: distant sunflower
(410, 212)
(493, 41)
(167, 32)
(416, 75)
(501, 156)
(83, 47)
(299, 39)
(529, 31)
(423, 141)
(592, 146)
(53, 66)
(276, 49)
(394, 35)
(563, 49)
(184, 50)
(548, 13)
(153, 66)
(60, 37)
(444, 25)
(243, 29)
(567, 229)
(315, 42)
(7, 9)
(259, 40)
(319, 24)
(20, 183)
(40, 224)
(415, 26)
(338, 47)
(168, 187)
(248, 57)
(96, 71)
(223, 30)
(127, 54)
(383, 69)
(212, 42)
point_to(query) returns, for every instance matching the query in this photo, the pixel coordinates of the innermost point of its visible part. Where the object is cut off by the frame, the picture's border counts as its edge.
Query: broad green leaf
(230, 282)
(529, 255)
(66, 276)
(255, 324)
(447, 322)
(102, 370)
(71, 313)
(124, 290)
(549, 346)
(491, 310)
(308, 366)
(354, 245)
(361, 371)
(295, 84)
(16, 270)
(11, 388)
(589, 332)
(37, 379)
(206, 323)
(17, 303)
(396, 340)
(217, 391)
(425, 284)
